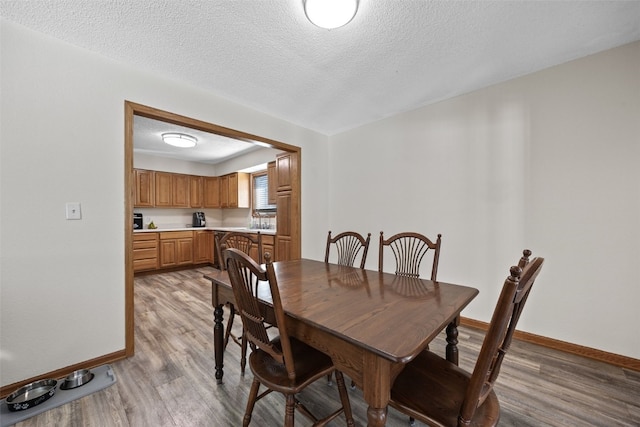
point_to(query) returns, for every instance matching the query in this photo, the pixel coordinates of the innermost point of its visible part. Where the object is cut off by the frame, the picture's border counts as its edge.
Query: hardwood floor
(169, 381)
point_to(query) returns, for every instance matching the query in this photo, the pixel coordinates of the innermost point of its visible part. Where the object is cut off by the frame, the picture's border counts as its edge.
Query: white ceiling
(394, 56)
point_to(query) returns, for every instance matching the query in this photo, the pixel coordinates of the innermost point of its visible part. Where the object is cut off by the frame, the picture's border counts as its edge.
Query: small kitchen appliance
(198, 219)
(137, 221)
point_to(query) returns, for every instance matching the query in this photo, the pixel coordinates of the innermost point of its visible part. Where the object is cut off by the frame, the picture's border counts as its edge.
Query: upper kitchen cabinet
(234, 190)
(143, 188)
(196, 191)
(171, 190)
(271, 182)
(211, 191)
(285, 171)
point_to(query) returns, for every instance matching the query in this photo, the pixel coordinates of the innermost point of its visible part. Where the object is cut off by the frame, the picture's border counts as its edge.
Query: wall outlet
(73, 210)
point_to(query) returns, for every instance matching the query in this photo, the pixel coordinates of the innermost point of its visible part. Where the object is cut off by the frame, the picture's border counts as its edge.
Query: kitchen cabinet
(285, 169)
(234, 190)
(143, 188)
(176, 248)
(268, 246)
(272, 183)
(202, 246)
(196, 191)
(287, 239)
(171, 190)
(145, 251)
(211, 191)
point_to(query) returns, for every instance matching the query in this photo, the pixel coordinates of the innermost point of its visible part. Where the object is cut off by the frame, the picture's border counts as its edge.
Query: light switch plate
(73, 210)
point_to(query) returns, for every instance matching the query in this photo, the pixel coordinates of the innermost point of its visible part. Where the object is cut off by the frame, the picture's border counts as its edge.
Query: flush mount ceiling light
(330, 13)
(181, 140)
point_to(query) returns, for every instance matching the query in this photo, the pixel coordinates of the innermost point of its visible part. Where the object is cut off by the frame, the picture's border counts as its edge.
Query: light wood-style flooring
(170, 381)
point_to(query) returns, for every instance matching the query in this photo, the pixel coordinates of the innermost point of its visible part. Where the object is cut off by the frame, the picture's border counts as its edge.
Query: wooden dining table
(370, 323)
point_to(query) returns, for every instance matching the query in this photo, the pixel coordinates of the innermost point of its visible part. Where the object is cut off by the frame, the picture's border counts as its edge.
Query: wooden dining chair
(348, 245)
(409, 250)
(439, 393)
(250, 244)
(282, 364)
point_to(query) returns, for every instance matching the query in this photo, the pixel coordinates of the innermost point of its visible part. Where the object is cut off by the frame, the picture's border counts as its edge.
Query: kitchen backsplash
(173, 218)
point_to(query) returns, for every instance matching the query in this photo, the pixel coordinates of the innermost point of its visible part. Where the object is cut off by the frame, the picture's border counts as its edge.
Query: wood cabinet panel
(171, 190)
(145, 251)
(202, 246)
(176, 248)
(211, 191)
(196, 191)
(143, 188)
(268, 246)
(272, 179)
(234, 190)
(284, 172)
(162, 189)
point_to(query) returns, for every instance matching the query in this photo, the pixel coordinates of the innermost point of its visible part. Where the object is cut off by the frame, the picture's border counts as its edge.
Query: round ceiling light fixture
(181, 140)
(330, 14)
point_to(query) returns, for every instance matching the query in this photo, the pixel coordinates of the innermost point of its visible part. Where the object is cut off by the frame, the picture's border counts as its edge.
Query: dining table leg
(218, 341)
(376, 388)
(452, 340)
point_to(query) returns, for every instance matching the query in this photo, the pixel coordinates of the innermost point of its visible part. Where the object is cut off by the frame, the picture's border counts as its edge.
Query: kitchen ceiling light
(181, 140)
(330, 14)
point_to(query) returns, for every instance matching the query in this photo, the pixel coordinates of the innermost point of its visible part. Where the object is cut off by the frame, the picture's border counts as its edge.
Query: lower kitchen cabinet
(176, 248)
(268, 246)
(145, 251)
(202, 246)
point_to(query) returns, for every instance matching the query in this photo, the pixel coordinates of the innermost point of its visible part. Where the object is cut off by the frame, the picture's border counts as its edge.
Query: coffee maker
(198, 219)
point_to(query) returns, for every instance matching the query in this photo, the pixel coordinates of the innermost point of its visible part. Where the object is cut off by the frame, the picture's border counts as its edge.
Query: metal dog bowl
(77, 379)
(31, 395)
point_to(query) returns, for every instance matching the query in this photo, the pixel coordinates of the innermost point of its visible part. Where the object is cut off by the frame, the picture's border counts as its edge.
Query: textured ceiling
(394, 56)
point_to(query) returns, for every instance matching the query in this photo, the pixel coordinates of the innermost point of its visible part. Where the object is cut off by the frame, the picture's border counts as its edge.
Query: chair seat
(431, 389)
(310, 364)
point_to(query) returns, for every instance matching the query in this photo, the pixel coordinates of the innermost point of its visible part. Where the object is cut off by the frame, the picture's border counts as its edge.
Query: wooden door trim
(133, 109)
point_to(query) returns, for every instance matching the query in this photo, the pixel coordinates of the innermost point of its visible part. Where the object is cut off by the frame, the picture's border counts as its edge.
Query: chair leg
(289, 410)
(329, 382)
(344, 398)
(227, 332)
(253, 396)
(243, 356)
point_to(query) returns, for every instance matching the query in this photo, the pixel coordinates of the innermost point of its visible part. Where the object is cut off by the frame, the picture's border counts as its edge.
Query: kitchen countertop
(177, 228)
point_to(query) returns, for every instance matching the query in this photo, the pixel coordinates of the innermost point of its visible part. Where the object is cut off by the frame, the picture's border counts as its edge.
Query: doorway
(133, 109)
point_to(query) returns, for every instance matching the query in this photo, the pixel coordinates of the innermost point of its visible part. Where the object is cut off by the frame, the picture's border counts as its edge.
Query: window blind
(261, 194)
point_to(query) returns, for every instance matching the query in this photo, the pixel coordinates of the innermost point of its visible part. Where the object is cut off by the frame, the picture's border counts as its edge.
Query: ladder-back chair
(250, 244)
(282, 364)
(437, 392)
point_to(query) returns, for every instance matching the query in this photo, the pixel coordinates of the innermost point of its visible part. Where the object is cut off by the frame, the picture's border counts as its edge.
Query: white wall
(549, 161)
(62, 139)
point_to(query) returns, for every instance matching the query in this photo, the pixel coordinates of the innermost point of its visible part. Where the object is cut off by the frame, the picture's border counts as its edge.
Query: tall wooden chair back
(245, 275)
(272, 362)
(495, 346)
(249, 243)
(348, 245)
(408, 250)
(437, 392)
